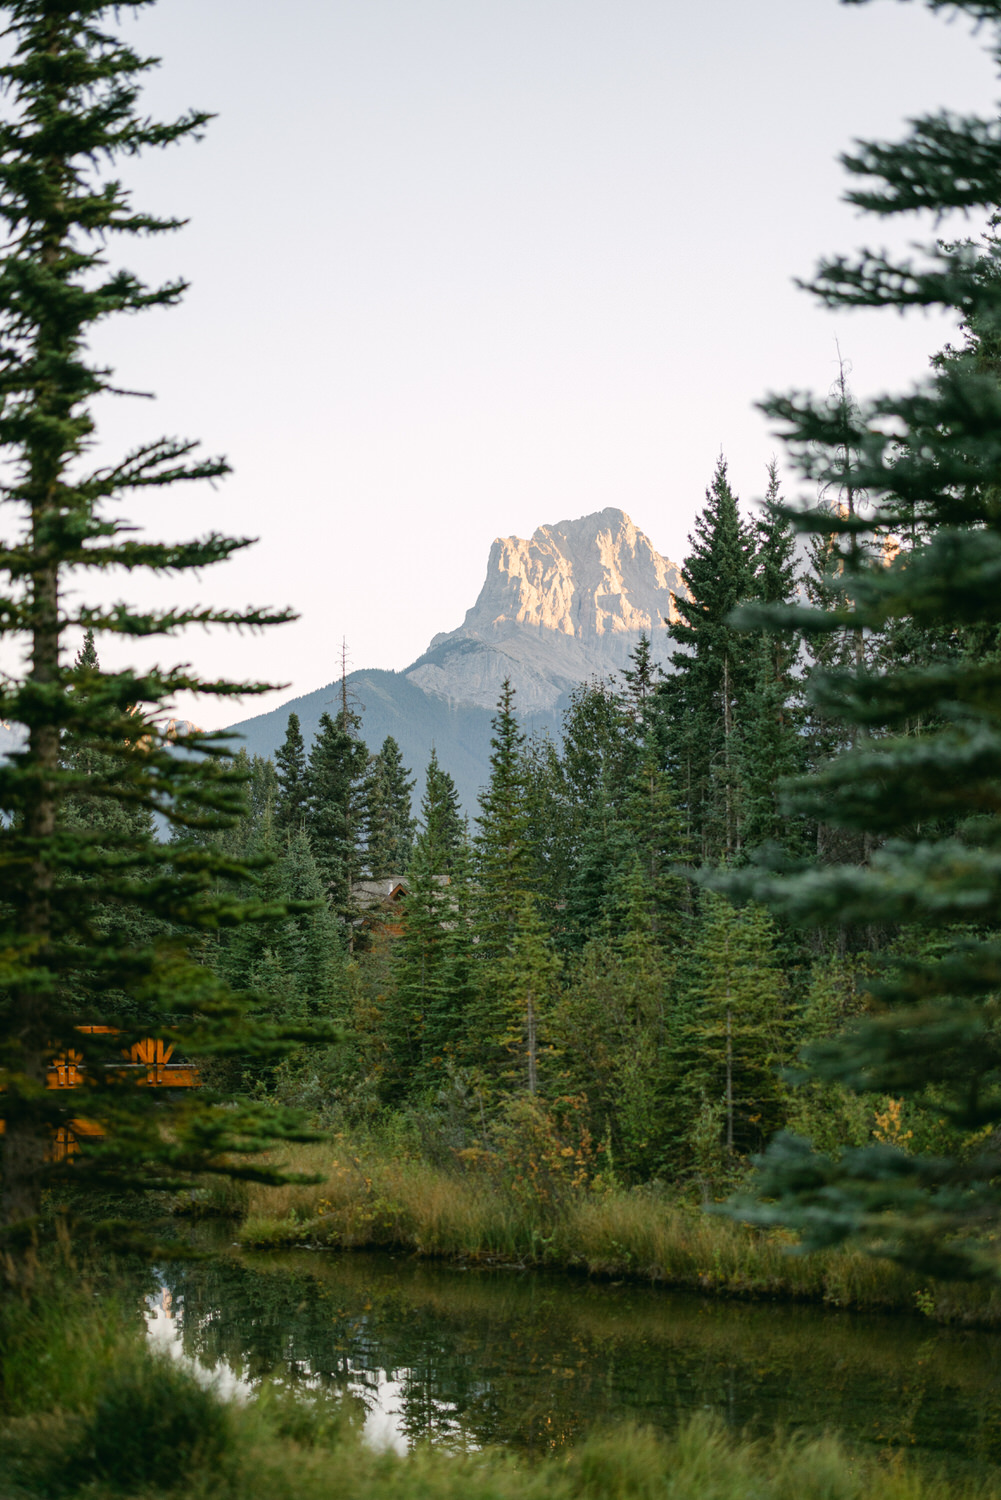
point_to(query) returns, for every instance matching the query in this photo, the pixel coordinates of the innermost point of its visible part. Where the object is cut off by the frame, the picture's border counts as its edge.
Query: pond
(533, 1361)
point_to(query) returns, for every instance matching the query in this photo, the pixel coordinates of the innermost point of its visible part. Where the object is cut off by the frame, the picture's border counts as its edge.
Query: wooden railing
(149, 1063)
(148, 1059)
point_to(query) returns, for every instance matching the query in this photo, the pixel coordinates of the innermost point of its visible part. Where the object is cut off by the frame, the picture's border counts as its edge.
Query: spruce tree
(702, 699)
(292, 799)
(336, 771)
(96, 808)
(919, 773)
(642, 678)
(512, 943)
(589, 902)
(387, 818)
(657, 846)
(442, 827)
(428, 1013)
(770, 741)
(523, 988)
(71, 90)
(262, 789)
(312, 933)
(504, 836)
(737, 1028)
(242, 953)
(613, 1027)
(574, 793)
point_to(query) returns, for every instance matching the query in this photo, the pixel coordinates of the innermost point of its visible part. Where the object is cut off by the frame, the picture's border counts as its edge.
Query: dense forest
(565, 966)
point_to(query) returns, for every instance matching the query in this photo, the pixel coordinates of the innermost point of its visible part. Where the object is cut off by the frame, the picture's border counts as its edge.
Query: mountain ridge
(567, 604)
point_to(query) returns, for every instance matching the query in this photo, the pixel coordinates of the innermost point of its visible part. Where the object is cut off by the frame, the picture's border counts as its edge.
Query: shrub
(152, 1424)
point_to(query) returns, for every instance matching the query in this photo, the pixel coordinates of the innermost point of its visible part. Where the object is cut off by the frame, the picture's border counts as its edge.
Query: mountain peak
(564, 605)
(594, 576)
(567, 603)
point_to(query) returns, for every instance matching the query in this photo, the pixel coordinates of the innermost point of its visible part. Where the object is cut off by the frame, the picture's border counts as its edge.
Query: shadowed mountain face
(568, 604)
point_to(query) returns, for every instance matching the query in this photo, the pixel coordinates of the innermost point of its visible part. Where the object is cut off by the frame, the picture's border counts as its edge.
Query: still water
(469, 1357)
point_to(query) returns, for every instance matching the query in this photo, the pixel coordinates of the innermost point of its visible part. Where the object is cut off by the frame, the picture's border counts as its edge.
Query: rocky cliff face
(567, 604)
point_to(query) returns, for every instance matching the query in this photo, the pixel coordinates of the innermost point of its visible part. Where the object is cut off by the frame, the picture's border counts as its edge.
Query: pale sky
(464, 267)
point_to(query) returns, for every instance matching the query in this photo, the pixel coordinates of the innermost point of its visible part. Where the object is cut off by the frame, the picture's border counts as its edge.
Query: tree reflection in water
(470, 1357)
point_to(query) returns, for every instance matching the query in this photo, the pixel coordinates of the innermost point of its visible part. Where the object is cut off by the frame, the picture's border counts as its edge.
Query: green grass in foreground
(86, 1411)
(369, 1198)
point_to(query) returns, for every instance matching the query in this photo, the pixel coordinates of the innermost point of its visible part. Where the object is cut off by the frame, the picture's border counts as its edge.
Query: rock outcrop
(567, 604)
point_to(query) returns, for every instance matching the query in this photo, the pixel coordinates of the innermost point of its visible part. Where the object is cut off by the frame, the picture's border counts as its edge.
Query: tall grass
(43, 1330)
(368, 1198)
(703, 1462)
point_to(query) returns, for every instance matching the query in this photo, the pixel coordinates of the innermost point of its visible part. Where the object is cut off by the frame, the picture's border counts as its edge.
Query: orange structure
(149, 1060)
(149, 1063)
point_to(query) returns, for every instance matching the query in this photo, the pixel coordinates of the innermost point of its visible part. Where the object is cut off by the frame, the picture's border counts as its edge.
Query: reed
(702, 1462)
(270, 1450)
(370, 1199)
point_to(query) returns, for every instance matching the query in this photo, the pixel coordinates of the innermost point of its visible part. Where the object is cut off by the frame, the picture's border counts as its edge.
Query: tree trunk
(731, 832)
(26, 1138)
(729, 1079)
(532, 1064)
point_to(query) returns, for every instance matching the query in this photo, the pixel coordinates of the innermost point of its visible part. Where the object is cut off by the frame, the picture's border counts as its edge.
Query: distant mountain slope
(389, 703)
(565, 605)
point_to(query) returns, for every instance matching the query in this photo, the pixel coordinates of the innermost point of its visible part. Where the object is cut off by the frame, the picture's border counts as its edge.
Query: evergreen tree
(737, 1030)
(290, 962)
(429, 1015)
(642, 679)
(602, 859)
(292, 799)
(522, 989)
(835, 556)
(71, 91)
(86, 658)
(503, 842)
(613, 1029)
(313, 940)
(443, 828)
(701, 702)
(511, 952)
(770, 742)
(574, 792)
(96, 809)
(262, 789)
(336, 770)
(97, 803)
(926, 799)
(248, 951)
(388, 822)
(657, 844)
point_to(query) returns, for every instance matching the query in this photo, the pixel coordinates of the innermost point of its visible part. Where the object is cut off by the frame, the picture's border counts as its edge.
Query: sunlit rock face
(567, 604)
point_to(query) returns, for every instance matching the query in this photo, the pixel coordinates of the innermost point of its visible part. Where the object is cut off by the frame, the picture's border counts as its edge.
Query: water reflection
(383, 1397)
(165, 1331)
(468, 1358)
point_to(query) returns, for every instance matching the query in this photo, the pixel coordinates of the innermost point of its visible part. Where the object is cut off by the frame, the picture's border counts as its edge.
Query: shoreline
(369, 1200)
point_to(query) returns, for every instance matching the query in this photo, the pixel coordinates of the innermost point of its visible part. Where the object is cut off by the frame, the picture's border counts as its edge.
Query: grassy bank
(369, 1198)
(118, 1420)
